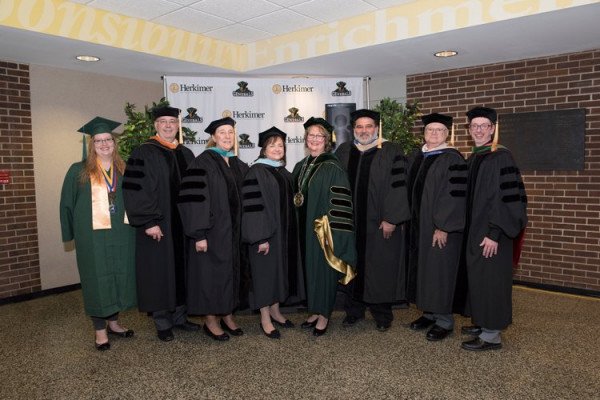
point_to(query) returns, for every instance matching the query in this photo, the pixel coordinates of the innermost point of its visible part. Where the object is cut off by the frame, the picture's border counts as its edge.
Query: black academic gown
(150, 188)
(496, 208)
(378, 181)
(269, 216)
(437, 183)
(210, 203)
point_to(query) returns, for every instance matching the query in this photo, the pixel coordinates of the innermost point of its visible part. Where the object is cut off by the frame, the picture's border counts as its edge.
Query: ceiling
(243, 22)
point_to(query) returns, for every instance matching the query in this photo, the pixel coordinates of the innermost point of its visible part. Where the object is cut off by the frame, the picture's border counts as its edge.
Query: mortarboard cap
(446, 120)
(99, 125)
(318, 121)
(374, 115)
(484, 112)
(212, 127)
(272, 131)
(165, 112)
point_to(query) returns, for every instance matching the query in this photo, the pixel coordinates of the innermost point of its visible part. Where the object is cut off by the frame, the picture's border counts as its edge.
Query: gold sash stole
(100, 206)
(323, 231)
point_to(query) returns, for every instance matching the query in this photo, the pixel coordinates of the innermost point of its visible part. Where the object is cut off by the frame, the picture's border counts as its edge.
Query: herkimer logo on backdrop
(235, 114)
(242, 90)
(192, 117)
(277, 89)
(293, 116)
(295, 140)
(192, 87)
(341, 89)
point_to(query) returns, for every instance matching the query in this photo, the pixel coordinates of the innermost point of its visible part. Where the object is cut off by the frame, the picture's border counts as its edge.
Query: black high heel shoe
(274, 334)
(220, 338)
(102, 346)
(307, 324)
(286, 324)
(232, 332)
(125, 334)
(319, 332)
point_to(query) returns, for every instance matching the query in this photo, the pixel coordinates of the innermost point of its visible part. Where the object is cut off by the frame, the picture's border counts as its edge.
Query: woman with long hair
(92, 214)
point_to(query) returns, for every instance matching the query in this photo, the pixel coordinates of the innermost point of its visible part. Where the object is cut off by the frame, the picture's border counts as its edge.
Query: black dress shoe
(473, 330)
(220, 338)
(437, 333)
(382, 327)
(102, 346)
(274, 334)
(165, 335)
(421, 323)
(319, 332)
(350, 320)
(480, 345)
(188, 326)
(232, 332)
(286, 324)
(125, 334)
(307, 324)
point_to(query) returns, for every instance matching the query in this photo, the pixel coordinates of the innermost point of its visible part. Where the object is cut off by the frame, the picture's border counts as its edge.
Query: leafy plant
(140, 126)
(398, 121)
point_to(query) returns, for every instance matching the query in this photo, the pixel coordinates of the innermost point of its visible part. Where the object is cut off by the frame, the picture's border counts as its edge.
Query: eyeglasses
(483, 127)
(435, 130)
(166, 121)
(316, 138)
(103, 141)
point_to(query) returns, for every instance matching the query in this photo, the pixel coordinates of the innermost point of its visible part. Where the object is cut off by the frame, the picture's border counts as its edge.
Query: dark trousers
(100, 322)
(382, 312)
(166, 319)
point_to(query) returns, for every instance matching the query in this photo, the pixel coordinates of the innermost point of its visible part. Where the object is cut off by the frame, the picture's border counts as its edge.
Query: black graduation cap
(212, 127)
(94, 127)
(318, 121)
(272, 131)
(165, 112)
(484, 112)
(374, 115)
(446, 120)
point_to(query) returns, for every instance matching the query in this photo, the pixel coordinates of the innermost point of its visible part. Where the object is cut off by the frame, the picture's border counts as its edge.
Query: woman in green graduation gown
(92, 214)
(323, 201)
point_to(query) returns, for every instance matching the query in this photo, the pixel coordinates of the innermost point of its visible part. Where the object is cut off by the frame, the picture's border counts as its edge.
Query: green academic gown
(105, 257)
(326, 191)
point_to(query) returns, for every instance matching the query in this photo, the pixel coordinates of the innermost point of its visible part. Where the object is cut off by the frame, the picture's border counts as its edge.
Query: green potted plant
(398, 121)
(140, 126)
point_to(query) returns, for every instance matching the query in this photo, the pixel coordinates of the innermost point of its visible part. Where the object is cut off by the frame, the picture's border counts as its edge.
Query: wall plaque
(545, 141)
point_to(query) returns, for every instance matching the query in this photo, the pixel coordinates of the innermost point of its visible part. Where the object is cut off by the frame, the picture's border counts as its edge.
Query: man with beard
(150, 189)
(378, 181)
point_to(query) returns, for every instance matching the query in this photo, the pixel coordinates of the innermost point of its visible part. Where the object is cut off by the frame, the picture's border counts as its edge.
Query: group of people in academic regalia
(180, 235)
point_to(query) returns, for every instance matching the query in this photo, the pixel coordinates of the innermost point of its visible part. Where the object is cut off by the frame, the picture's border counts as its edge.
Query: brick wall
(562, 243)
(19, 254)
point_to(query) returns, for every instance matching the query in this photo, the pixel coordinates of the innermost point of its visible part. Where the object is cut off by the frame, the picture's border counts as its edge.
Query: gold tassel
(495, 141)
(380, 137)
(452, 136)
(235, 141)
(180, 129)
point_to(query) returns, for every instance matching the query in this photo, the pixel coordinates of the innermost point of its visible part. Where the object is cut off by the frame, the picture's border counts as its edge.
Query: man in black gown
(378, 181)
(496, 215)
(150, 189)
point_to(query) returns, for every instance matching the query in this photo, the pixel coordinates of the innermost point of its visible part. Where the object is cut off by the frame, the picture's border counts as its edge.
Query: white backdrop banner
(259, 103)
